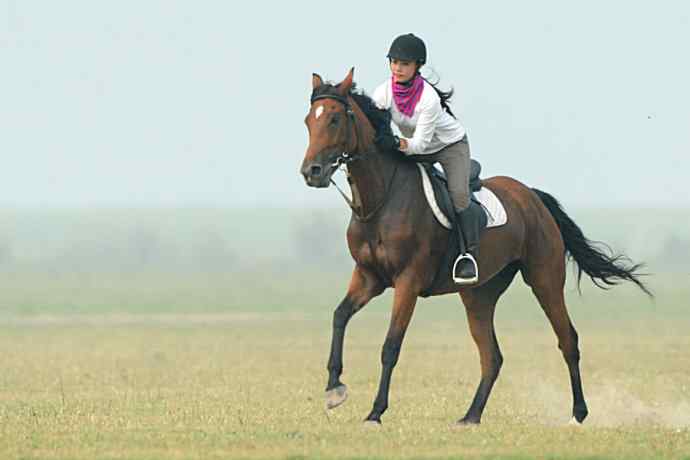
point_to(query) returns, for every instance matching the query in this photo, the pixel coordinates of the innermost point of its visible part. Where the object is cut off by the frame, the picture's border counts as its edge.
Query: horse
(396, 242)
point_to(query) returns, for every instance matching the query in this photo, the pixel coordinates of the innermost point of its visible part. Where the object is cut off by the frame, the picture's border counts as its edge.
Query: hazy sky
(202, 103)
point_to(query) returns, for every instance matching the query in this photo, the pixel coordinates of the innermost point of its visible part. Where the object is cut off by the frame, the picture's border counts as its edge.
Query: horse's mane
(380, 119)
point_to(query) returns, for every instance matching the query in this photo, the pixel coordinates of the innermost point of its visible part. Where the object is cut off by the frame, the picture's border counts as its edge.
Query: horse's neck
(370, 176)
(372, 173)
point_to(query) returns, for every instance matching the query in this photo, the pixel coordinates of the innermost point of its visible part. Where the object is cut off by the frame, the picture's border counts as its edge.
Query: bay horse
(396, 242)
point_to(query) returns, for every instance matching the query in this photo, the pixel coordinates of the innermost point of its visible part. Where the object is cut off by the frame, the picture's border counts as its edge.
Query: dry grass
(236, 386)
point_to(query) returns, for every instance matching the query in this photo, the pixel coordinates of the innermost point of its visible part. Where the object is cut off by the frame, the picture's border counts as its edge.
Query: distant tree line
(226, 242)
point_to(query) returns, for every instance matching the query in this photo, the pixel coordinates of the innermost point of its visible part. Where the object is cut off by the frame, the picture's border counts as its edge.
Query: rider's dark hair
(444, 95)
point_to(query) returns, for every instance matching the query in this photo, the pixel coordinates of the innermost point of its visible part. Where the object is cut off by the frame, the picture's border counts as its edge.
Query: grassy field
(153, 366)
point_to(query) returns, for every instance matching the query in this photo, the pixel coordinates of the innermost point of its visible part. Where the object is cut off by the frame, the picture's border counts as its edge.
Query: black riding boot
(465, 269)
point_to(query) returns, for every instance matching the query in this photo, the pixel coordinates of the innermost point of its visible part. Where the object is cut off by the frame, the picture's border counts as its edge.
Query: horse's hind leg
(547, 283)
(480, 304)
(363, 287)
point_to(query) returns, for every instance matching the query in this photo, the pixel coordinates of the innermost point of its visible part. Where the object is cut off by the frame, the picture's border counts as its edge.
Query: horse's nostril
(316, 170)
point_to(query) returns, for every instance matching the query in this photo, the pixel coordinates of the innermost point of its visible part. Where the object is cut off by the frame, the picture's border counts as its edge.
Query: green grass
(253, 389)
(153, 366)
(204, 333)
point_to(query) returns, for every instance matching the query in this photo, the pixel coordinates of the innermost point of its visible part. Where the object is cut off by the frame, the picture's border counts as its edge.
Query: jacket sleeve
(379, 97)
(424, 131)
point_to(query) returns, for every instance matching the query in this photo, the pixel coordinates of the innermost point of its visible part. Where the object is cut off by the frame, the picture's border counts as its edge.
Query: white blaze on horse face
(318, 112)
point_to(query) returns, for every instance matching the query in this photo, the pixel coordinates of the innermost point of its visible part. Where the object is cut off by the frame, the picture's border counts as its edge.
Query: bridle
(346, 157)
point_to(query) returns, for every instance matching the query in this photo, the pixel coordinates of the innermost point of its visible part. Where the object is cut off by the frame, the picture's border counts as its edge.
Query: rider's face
(402, 70)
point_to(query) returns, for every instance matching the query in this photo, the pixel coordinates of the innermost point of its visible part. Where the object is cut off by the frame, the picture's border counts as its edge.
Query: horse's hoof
(336, 397)
(580, 414)
(372, 424)
(465, 422)
(573, 422)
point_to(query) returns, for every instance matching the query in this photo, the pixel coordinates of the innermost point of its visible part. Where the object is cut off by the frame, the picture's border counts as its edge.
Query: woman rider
(431, 134)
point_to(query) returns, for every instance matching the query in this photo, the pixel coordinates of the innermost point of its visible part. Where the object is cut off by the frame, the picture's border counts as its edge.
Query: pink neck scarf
(407, 95)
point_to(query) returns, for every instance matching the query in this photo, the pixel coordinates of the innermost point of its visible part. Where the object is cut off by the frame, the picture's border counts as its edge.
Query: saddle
(439, 182)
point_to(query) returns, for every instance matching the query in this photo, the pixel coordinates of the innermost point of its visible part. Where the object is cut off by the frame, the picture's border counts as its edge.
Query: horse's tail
(592, 257)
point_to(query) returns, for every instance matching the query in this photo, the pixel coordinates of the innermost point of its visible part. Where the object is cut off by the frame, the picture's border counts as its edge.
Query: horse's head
(332, 130)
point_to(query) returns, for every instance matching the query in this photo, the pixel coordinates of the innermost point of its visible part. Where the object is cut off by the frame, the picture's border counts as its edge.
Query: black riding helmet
(408, 47)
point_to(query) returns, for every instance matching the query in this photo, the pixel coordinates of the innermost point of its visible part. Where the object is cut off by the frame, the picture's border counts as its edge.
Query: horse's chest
(377, 250)
(381, 253)
(375, 253)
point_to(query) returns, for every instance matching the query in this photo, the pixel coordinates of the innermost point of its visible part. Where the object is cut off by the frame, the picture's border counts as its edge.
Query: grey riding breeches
(455, 159)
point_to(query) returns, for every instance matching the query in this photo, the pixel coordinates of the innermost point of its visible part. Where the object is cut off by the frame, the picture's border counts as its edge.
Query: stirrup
(472, 280)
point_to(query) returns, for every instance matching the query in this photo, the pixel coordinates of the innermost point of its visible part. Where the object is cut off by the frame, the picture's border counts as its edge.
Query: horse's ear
(316, 80)
(345, 85)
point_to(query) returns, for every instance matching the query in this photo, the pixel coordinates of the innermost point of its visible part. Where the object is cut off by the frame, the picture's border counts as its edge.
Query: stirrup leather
(476, 270)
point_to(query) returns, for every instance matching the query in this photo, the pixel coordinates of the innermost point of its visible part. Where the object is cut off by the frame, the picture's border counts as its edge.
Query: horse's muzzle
(317, 173)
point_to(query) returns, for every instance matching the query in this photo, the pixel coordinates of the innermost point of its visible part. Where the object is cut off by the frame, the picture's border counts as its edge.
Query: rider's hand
(403, 145)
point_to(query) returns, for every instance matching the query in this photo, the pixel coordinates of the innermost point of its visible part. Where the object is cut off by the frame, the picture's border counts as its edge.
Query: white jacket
(430, 129)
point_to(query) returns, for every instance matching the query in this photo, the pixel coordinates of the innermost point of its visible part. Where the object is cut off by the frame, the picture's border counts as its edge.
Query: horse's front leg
(403, 307)
(363, 287)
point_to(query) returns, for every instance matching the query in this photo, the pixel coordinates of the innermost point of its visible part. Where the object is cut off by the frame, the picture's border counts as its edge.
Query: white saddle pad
(495, 212)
